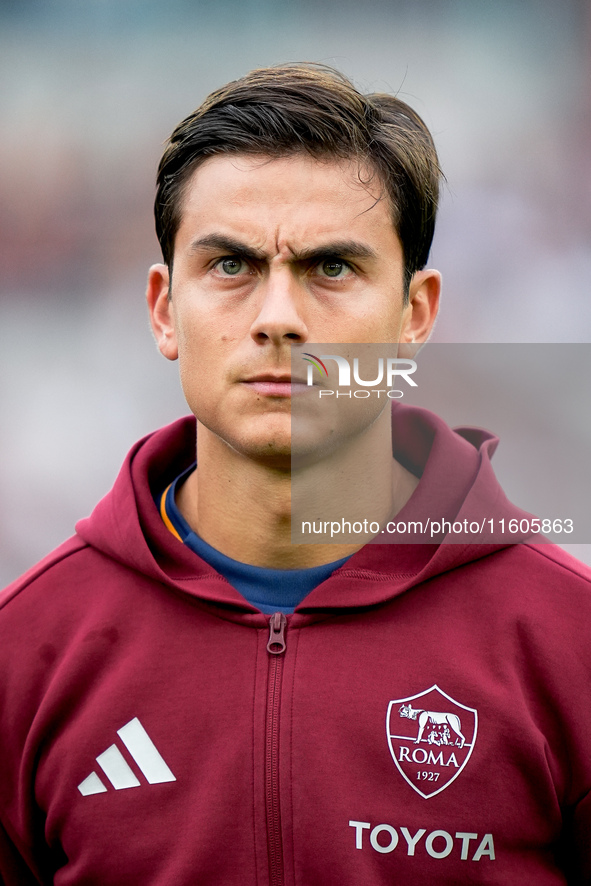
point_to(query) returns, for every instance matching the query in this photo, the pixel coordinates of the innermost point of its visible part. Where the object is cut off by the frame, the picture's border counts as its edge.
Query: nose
(279, 319)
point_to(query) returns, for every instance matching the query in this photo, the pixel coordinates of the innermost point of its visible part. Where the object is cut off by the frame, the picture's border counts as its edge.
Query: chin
(269, 446)
(273, 454)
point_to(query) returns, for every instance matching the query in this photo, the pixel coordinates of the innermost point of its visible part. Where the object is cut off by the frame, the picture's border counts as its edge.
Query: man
(187, 696)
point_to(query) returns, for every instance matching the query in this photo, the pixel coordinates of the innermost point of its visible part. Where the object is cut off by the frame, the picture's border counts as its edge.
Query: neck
(245, 509)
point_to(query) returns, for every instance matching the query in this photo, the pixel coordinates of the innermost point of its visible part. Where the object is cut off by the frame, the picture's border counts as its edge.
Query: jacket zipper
(275, 648)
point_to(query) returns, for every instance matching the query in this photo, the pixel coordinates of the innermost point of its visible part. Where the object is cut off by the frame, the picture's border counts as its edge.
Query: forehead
(294, 200)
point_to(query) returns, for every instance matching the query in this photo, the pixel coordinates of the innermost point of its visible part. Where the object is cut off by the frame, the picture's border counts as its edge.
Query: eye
(231, 266)
(335, 268)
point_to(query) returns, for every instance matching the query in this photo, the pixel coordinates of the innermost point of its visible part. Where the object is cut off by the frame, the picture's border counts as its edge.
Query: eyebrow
(341, 248)
(226, 244)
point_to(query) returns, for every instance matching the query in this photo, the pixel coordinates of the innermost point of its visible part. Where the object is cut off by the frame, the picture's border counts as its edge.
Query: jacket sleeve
(14, 871)
(581, 831)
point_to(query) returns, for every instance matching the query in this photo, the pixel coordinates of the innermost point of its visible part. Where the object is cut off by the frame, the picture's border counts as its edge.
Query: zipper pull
(277, 625)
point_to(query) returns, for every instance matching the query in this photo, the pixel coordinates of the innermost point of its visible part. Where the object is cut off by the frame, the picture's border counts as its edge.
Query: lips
(270, 385)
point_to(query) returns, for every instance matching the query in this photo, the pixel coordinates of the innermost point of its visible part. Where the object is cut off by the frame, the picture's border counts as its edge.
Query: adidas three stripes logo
(114, 765)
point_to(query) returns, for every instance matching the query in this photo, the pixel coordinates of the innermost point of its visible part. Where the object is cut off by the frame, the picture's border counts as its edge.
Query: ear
(161, 311)
(423, 304)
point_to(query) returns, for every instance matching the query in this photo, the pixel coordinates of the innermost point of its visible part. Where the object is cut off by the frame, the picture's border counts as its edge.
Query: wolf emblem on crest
(440, 720)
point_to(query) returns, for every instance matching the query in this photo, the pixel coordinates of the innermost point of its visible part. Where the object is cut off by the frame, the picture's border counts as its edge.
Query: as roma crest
(431, 738)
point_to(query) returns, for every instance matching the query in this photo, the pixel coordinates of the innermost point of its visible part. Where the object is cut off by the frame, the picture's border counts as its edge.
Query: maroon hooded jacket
(422, 717)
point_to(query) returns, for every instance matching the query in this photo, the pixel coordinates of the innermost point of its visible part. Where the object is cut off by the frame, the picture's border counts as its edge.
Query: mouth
(283, 385)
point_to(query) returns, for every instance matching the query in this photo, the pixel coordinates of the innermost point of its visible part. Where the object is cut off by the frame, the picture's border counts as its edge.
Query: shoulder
(528, 562)
(544, 565)
(71, 587)
(541, 596)
(49, 569)
(557, 561)
(540, 583)
(534, 591)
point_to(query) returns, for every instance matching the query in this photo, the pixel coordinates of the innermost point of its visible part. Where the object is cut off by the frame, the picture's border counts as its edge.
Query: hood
(457, 484)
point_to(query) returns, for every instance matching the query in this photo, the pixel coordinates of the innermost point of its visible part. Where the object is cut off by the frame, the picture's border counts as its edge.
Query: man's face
(269, 254)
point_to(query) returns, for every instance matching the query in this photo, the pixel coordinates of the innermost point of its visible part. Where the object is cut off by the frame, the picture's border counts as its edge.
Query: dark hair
(314, 109)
